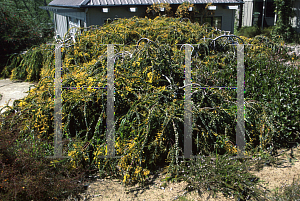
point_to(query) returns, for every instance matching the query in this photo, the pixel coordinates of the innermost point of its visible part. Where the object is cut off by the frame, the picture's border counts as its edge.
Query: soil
(273, 176)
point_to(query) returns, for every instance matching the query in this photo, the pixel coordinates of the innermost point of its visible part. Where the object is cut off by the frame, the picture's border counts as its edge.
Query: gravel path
(13, 90)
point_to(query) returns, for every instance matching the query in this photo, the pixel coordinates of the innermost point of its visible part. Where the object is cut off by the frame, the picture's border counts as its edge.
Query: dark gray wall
(95, 16)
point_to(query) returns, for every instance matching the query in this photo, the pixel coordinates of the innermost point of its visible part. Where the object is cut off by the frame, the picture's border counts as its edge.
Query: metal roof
(91, 3)
(69, 3)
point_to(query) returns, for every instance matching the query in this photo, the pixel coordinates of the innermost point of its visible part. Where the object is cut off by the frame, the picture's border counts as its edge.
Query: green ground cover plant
(253, 31)
(249, 32)
(149, 101)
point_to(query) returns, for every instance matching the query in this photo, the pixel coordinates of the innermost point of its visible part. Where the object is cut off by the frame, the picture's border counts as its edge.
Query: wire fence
(236, 45)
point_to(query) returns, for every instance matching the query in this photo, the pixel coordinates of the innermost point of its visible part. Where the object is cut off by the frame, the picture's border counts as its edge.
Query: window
(207, 20)
(213, 21)
(217, 22)
(73, 22)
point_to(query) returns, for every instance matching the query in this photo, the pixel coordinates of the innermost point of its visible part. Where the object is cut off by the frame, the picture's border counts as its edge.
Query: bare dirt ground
(276, 176)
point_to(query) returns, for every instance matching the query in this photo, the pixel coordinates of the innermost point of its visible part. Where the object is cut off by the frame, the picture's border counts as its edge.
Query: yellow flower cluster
(75, 153)
(130, 164)
(230, 148)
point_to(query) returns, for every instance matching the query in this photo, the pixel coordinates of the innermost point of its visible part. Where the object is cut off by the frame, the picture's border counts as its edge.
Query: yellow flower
(146, 172)
(138, 170)
(22, 103)
(150, 76)
(128, 88)
(125, 178)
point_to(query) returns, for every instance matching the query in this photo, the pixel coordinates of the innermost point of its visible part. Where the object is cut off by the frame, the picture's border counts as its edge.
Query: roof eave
(58, 9)
(66, 6)
(92, 6)
(84, 4)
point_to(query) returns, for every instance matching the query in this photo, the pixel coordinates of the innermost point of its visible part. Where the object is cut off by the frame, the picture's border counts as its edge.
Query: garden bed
(276, 177)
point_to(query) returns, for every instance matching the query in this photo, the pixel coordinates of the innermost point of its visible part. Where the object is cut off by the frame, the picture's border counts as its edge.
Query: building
(262, 13)
(84, 13)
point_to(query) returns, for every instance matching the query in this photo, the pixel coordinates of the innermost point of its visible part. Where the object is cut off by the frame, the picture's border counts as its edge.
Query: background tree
(284, 10)
(22, 25)
(184, 12)
(155, 10)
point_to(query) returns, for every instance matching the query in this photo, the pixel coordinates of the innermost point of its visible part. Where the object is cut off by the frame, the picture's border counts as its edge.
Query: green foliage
(253, 31)
(218, 173)
(249, 32)
(23, 24)
(27, 66)
(284, 10)
(275, 92)
(268, 31)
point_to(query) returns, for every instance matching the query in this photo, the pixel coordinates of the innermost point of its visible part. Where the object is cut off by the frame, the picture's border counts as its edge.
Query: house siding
(61, 25)
(247, 13)
(227, 18)
(97, 17)
(67, 18)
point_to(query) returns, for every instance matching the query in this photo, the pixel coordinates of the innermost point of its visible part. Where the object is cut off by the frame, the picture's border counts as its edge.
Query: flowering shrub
(149, 95)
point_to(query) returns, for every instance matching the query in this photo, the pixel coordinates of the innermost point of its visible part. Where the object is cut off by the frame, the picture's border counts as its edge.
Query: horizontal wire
(83, 87)
(214, 87)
